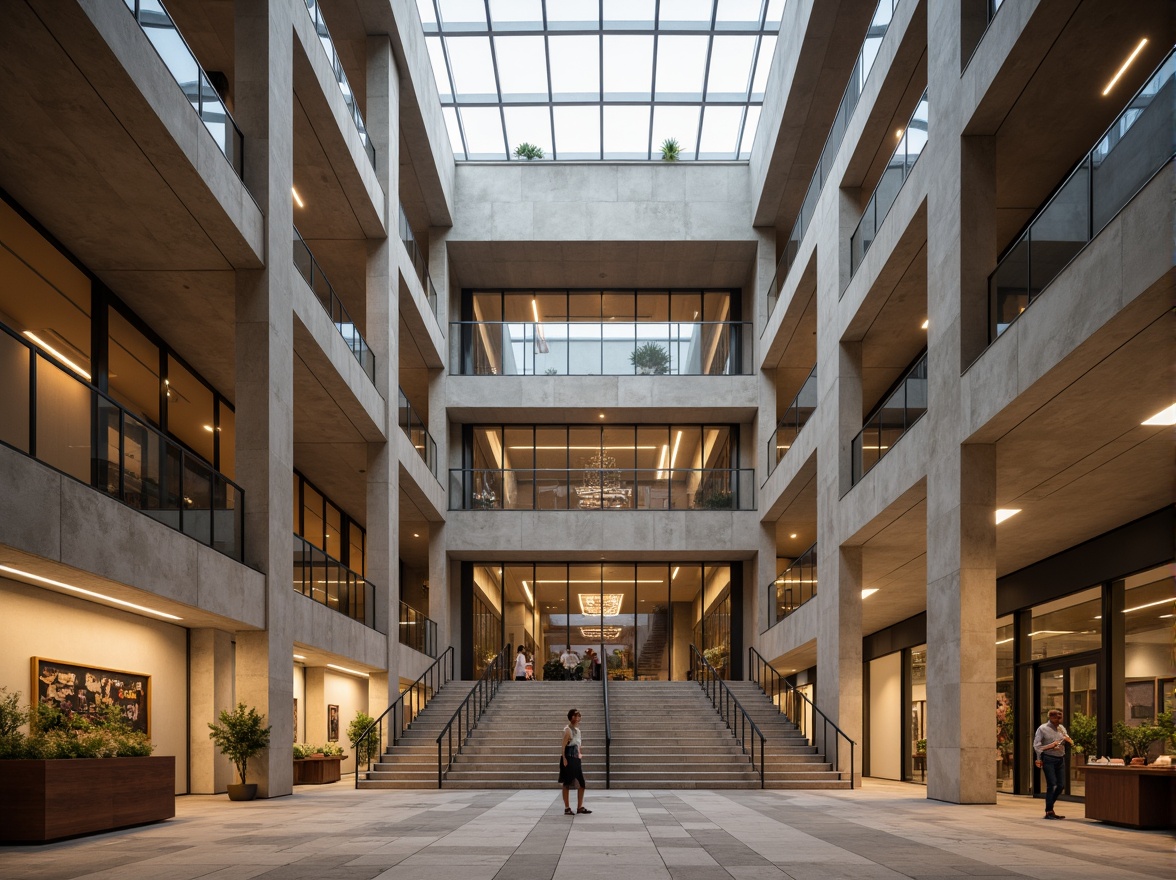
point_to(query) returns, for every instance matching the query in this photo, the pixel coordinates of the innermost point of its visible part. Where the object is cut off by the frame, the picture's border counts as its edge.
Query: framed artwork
(77, 689)
(295, 719)
(332, 724)
(1140, 697)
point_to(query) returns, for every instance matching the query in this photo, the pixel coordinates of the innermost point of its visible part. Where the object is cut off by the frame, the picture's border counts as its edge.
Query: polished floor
(883, 830)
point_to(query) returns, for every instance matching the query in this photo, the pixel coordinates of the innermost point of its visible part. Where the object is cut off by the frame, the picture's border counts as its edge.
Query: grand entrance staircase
(664, 735)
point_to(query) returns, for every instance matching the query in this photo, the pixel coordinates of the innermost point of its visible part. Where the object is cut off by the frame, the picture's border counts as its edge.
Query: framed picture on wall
(332, 723)
(295, 719)
(77, 689)
(1140, 697)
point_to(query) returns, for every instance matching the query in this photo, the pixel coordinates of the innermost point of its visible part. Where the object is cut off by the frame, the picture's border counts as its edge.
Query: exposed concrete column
(265, 376)
(316, 704)
(210, 689)
(383, 503)
(439, 587)
(839, 648)
(961, 615)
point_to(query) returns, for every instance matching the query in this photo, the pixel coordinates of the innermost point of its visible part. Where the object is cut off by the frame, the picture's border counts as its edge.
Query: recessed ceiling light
(1123, 69)
(898, 133)
(297, 200)
(793, 535)
(416, 534)
(868, 592)
(926, 323)
(299, 656)
(602, 415)
(349, 671)
(102, 596)
(1163, 417)
(1004, 513)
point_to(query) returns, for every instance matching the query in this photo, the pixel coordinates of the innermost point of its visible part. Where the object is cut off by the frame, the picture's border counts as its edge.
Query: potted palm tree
(240, 736)
(650, 359)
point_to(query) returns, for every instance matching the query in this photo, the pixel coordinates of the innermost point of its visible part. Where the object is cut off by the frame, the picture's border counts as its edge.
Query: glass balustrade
(902, 408)
(609, 348)
(417, 631)
(879, 24)
(417, 256)
(898, 169)
(795, 585)
(309, 269)
(50, 414)
(181, 61)
(412, 425)
(1137, 145)
(794, 419)
(607, 489)
(320, 27)
(329, 582)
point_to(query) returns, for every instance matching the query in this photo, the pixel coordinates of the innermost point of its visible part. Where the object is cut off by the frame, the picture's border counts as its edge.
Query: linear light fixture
(1004, 641)
(674, 573)
(1122, 70)
(53, 351)
(297, 199)
(1165, 417)
(299, 656)
(1003, 513)
(674, 454)
(598, 581)
(349, 671)
(1168, 601)
(1053, 632)
(102, 596)
(926, 323)
(600, 633)
(661, 462)
(868, 592)
(527, 590)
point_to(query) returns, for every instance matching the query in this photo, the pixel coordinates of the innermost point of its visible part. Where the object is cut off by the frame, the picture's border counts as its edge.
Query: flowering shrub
(54, 735)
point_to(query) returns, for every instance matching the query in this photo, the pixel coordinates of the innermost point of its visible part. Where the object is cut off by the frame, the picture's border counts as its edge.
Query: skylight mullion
(550, 91)
(710, 46)
(497, 83)
(452, 83)
(653, 75)
(600, 58)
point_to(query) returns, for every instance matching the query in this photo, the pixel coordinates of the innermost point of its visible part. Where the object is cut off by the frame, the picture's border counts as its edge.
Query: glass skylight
(601, 79)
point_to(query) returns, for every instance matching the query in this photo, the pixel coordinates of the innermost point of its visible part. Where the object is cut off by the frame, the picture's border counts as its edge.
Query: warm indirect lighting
(898, 132)
(1163, 417)
(1165, 616)
(1004, 513)
(1004, 641)
(535, 310)
(297, 198)
(600, 633)
(926, 323)
(793, 535)
(1053, 632)
(299, 657)
(527, 590)
(870, 591)
(608, 605)
(416, 534)
(102, 596)
(599, 581)
(674, 454)
(674, 573)
(1122, 70)
(53, 351)
(1168, 601)
(661, 462)
(602, 415)
(349, 671)
(527, 447)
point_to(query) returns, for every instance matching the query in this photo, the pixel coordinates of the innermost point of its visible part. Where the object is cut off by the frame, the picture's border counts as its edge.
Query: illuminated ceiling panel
(601, 79)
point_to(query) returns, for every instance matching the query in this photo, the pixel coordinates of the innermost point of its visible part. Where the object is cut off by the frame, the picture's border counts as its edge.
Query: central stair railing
(370, 744)
(729, 708)
(470, 711)
(792, 704)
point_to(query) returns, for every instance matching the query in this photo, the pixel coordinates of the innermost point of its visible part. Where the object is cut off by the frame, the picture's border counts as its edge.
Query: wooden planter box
(49, 800)
(318, 770)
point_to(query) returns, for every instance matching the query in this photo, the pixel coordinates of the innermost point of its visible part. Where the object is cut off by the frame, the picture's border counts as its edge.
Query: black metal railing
(314, 276)
(414, 427)
(729, 708)
(467, 715)
(898, 169)
(607, 723)
(385, 732)
(795, 585)
(800, 710)
(326, 580)
(596, 489)
(419, 261)
(603, 348)
(324, 35)
(794, 419)
(417, 631)
(1128, 155)
(904, 406)
(49, 413)
(173, 49)
(879, 24)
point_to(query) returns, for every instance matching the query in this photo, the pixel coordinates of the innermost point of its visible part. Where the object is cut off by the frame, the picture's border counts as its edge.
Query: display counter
(1138, 797)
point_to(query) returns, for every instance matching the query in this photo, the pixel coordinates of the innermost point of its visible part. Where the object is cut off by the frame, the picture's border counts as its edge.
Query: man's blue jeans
(1054, 769)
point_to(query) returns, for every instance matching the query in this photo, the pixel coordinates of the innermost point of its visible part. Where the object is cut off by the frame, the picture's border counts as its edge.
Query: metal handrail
(607, 724)
(436, 669)
(757, 668)
(356, 599)
(791, 420)
(466, 715)
(426, 641)
(724, 701)
(328, 44)
(417, 257)
(411, 423)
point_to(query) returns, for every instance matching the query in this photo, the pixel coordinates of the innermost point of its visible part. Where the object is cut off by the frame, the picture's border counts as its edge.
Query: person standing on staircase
(571, 768)
(521, 665)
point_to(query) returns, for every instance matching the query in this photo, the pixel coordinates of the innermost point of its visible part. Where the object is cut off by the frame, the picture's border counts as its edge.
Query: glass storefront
(640, 618)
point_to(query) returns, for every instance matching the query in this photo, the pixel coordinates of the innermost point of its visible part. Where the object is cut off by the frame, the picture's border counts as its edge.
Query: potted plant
(714, 499)
(650, 359)
(716, 657)
(1083, 729)
(240, 736)
(671, 150)
(528, 151)
(921, 747)
(1136, 741)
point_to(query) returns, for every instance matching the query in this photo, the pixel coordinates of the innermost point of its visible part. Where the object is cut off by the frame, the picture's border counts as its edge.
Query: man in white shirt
(570, 661)
(1049, 742)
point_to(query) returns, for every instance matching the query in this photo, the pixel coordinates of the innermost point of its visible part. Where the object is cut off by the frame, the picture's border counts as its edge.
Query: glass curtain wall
(639, 618)
(917, 695)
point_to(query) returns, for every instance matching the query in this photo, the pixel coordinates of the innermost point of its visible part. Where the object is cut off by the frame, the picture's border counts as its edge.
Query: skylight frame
(763, 40)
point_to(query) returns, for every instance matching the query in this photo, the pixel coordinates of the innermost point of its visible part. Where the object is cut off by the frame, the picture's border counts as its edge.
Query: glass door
(1072, 687)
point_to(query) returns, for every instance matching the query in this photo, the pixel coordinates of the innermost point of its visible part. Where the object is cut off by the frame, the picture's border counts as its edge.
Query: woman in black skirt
(571, 771)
